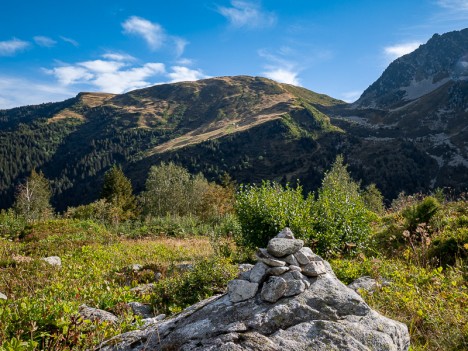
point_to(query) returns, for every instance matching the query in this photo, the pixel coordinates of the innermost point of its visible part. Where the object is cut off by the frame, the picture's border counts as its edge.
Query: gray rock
(280, 247)
(53, 261)
(273, 289)
(153, 321)
(241, 290)
(265, 257)
(277, 270)
(3, 296)
(258, 272)
(295, 268)
(326, 316)
(95, 314)
(136, 267)
(294, 287)
(184, 267)
(314, 269)
(140, 309)
(286, 233)
(365, 283)
(143, 289)
(305, 255)
(291, 260)
(244, 271)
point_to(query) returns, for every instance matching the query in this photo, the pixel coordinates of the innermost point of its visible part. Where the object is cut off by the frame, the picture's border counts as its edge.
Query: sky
(52, 50)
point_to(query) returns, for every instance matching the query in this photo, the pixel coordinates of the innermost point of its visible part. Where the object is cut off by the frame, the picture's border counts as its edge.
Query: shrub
(11, 225)
(341, 221)
(421, 212)
(266, 209)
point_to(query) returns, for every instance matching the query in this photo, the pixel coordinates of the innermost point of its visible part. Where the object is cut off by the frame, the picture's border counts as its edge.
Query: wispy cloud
(151, 32)
(247, 14)
(451, 11)
(184, 74)
(16, 91)
(70, 41)
(44, 41)
(280, 68)
(180, 45)
(12, 47)
(457, 5)
(395, 51)
(117, 56)
(351, 96)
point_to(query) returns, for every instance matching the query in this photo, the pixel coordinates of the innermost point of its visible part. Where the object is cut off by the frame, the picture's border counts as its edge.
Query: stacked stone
(283, 269)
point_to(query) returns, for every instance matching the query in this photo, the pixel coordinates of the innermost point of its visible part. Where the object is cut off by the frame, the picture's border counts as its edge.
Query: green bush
(421, 212)
(342, 223)
(11, 225)
(266, 209)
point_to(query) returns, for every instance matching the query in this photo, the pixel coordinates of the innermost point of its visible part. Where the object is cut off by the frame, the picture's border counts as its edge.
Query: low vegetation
(188, 235)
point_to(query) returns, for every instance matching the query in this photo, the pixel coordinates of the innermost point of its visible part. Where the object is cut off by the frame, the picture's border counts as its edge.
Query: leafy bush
(11, 225)
(421, 212)
(342, 222)
(266, 209)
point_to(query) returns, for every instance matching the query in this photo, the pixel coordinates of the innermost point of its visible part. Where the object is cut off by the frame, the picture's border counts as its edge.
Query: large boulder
(287, 312)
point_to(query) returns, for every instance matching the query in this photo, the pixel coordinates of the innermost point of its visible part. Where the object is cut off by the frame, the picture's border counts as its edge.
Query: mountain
(407, 132)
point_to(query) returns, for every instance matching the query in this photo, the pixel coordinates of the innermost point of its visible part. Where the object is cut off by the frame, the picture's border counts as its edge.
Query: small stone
(143, 289)
(286, 233)
(277, 270)
(244, 271)
(157, 276)
(184, 267)
(95, 314)
(364, 283)
(3, 296)
(53, 261)
(305, 255)
(291, 260)
(265, 257)
(295, 268)
(280, 247)
(241, 290)
(153, 320)
(294, 287)
(135, 267)
(314, 269)
(258, 272)
(141, 309)
(273, 289)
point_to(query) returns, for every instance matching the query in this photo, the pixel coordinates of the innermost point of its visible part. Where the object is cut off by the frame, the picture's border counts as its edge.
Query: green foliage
(341, 221)
(32, 198)
(100, 211)
(11, 225)
(117, 190)
(373, 199)
(431, 302)
(421, 212)
(266, 209)
(208, 277)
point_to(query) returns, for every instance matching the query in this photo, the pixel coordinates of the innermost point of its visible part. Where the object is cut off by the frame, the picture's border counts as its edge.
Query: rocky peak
(442, 59)
(290, 300)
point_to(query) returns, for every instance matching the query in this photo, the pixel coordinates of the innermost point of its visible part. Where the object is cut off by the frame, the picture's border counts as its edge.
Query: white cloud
(68, 75)
(247, 14)
(351, 96)
(70, 41)
(101, 66)
(282, 75)
(395, 51)
(44, 41)
(15, 91)
(184, 74)
(457, 5)
(184, 61)
(151, 32)
(180, 45)
(115, 56)
(11, 47)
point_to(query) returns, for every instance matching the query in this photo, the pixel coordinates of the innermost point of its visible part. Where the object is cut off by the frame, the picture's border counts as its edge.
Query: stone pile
(283, 270)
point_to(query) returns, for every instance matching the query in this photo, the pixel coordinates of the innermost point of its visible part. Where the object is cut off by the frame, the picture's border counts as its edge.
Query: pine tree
(117, 190)
(33, 198)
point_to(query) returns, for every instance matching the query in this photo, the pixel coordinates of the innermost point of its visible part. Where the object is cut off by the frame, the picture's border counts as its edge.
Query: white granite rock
(241, 290)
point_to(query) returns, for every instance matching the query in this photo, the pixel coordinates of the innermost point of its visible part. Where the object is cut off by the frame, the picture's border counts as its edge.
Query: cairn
(283, 269)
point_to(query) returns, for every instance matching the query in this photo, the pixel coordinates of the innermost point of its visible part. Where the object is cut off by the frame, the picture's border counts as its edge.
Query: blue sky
(51, 50)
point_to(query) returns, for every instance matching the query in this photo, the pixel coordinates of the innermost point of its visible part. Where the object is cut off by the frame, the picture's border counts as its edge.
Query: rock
(184, 267)
(295, 268)
(277, 270)
(279, 247)
(314, 269)
(140, 309)
(265, 257)
(241, 290)
(53, 261)
(258, 272)
(153, 320)
(286, 233)
(273, 289)
(244, 271)
(157, 276)
(95, 314)
(143, 289)
(135, 267)
(326, 316)
(365, 283)
(3, 296)
(294, 287)
(305, 255)
(290, 259)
